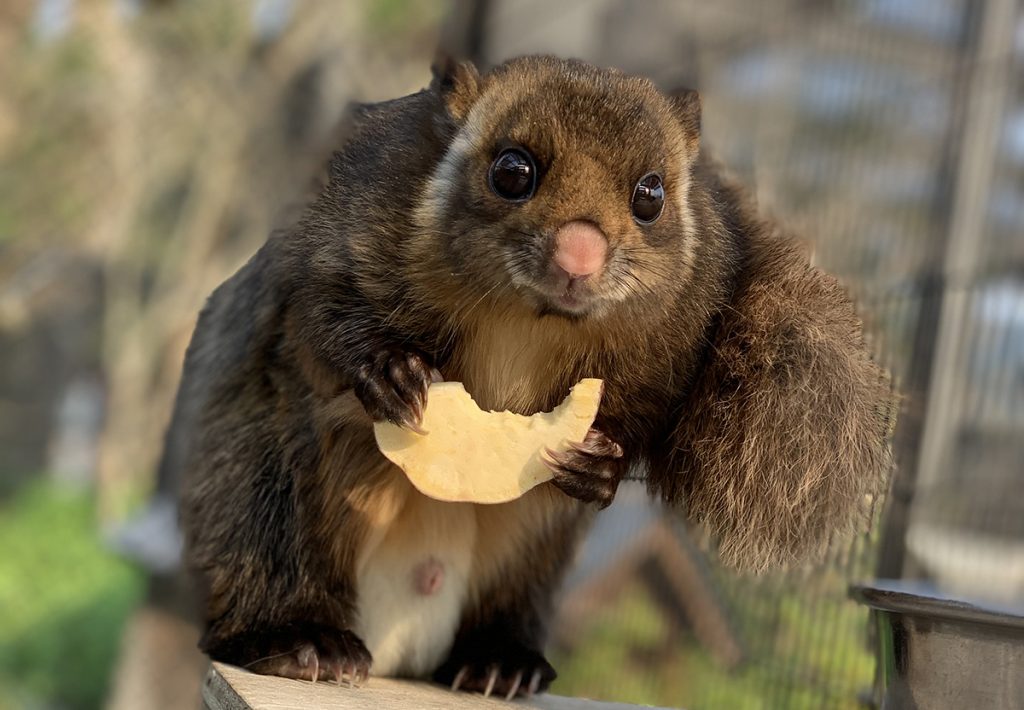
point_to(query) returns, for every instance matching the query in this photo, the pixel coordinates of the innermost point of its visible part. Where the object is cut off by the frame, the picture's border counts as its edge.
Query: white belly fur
(409, 633)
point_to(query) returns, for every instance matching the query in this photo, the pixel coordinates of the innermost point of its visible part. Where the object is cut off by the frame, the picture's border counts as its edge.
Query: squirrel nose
(580, 249)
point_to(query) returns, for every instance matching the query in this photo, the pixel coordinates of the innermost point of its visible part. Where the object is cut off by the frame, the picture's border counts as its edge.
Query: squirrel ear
(457, 83)
(686, 106)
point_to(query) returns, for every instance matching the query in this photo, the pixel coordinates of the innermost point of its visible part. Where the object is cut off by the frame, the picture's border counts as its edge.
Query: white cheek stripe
(438, 188)
(686, 218)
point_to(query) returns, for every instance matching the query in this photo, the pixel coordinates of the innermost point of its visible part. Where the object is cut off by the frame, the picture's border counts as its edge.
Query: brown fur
(783, 441)
(735, 376)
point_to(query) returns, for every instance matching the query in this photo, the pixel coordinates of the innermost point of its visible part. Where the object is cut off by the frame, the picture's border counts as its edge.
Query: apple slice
(470, 455)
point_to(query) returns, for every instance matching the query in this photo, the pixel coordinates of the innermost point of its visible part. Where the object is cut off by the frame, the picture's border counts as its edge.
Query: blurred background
(147, 147)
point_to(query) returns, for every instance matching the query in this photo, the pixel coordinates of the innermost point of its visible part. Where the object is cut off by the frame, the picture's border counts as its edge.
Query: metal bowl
(940, 653)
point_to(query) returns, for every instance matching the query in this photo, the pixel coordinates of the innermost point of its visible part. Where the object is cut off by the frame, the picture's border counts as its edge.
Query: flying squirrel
(515, 231)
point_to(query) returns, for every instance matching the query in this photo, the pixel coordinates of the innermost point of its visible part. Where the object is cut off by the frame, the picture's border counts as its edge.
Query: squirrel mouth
(572, 300)
(557, 292)
(568, 300)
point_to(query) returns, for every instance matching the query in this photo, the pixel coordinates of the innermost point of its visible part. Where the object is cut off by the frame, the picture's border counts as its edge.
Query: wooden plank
(230, 688)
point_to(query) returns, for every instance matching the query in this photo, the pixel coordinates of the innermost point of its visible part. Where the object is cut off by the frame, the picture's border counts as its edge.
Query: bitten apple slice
(474, 456)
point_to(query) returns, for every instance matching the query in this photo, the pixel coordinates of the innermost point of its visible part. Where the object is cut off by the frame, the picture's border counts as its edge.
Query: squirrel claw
(534, 685)
(459, 677)
(392, 386)
(516, 682)
(589, 471)
(492, 678)
(308, 657)
(496, 670)
(551, 458)
(308, 652)
(414, 426)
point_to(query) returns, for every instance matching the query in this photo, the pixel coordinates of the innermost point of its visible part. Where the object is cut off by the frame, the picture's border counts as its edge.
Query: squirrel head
(564, 188)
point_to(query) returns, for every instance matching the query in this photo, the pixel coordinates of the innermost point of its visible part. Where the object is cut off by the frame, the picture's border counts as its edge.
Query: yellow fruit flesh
(470, 455)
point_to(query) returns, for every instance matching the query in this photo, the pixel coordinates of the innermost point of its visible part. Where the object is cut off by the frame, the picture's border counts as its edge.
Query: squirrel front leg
(347, 337)
(590, 470)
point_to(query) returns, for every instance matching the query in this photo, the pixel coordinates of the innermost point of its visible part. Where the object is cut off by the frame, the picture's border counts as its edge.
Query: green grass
(399, 17)
(63, 602)
(803, 653)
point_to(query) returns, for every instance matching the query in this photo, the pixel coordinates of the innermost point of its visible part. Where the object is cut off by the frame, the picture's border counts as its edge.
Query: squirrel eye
(648, 199)
(513, 175)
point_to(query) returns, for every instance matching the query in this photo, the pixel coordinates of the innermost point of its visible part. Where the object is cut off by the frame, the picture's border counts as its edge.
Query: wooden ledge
(231, 688)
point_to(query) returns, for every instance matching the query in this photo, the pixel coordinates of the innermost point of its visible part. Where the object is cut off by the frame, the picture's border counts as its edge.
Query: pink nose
(580, 248)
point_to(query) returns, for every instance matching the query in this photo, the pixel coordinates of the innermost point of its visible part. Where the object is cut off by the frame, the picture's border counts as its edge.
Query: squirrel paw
(507, 670)
(392, 386)
(589, 471)
(308, 652)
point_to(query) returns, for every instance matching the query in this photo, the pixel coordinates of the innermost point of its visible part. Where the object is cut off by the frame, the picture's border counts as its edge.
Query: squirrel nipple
(428, 576)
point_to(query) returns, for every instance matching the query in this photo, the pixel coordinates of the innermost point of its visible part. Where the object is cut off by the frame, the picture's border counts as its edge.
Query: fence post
(931, 421)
